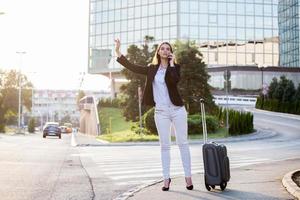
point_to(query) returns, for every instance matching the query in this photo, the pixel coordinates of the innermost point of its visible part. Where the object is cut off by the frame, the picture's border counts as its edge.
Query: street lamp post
(263, 88)
(227, 85)
(21, 53)
(41, 119)
(140, 106)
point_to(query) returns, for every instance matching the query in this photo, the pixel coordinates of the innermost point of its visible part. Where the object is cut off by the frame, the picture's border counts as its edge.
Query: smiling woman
(161, 92)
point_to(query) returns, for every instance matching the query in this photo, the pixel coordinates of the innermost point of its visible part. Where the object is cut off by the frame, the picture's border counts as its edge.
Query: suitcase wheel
(207, 187)
(213, 186)
(223, 185)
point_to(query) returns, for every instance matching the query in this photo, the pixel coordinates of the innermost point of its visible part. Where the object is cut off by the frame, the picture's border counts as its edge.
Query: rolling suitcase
(215, 159)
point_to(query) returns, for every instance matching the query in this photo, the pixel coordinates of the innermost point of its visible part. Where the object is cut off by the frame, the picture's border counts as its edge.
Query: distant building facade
(54, 105)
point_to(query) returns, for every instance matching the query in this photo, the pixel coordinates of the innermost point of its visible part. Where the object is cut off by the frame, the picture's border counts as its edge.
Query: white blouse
(160, 90)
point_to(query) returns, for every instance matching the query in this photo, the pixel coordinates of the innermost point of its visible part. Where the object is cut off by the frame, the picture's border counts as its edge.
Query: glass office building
(228, 32)
(288, 15)
(232, 32)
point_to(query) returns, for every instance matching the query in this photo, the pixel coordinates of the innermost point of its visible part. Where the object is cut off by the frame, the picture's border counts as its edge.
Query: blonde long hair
(156, 59)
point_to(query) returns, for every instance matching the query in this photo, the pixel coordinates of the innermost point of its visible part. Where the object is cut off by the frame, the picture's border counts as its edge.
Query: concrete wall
(89, 121)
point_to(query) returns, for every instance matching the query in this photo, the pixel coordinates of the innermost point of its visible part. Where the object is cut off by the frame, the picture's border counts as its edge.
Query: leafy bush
(148, 120)
(239, 122)
(108, 102)
(282, 97)
(10, 117)
(31, 125)
(136, 128)
(2, 128)
(195, 124)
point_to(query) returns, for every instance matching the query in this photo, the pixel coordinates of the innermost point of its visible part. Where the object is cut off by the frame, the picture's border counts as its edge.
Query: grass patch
(112, 120)
(130, 136)
(127, 136)
(10, 130)
(221, 133)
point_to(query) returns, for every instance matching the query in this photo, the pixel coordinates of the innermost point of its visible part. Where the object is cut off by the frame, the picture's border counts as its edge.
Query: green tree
(297, 94)
(284, 91)
(31, 125)
(10, 85)
(296, 101)
(283, 97)
(194, 77)
(272, 87)
(2, 115)
(289, 92)
(10, 96)
(148, 119)
(66, 119)
(10, 117)
(141, 56)
(279, 90)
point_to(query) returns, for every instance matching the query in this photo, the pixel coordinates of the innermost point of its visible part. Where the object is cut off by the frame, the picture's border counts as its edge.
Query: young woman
(161, 91)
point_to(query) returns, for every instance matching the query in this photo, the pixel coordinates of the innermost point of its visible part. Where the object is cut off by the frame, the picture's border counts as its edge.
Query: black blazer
(172, 77)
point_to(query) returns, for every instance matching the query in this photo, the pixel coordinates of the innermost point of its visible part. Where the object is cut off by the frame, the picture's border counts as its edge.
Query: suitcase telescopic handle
(203, 117)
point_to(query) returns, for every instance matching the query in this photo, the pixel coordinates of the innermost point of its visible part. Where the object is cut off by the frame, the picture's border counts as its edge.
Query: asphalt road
(35, 168)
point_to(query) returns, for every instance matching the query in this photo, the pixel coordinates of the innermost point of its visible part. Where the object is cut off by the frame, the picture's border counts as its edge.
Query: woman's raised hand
(117, 47)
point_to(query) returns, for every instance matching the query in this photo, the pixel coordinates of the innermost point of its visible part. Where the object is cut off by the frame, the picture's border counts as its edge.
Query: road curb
(290, 185)
(258, 135)
(129, 193)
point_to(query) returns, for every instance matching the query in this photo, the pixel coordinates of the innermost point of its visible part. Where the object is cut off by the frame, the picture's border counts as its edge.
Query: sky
(54, 35)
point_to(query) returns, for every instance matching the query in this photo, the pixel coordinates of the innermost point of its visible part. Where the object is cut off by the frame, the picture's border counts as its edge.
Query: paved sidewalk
(250, 182)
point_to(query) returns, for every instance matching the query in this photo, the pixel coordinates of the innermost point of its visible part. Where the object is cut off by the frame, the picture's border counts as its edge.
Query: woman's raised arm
(123, 61)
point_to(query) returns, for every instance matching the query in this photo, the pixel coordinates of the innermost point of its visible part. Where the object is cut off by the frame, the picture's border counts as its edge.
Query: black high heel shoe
(190, 187)
(166, 188)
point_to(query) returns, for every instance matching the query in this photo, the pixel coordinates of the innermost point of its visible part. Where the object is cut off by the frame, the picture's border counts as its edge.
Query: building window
(213, 19)
(216, 56)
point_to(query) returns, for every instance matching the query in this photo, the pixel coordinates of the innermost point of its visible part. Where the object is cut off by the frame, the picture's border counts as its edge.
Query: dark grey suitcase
(215, 159)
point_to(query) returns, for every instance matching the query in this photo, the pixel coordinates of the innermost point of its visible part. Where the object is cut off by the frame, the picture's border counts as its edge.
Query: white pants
(164, 117)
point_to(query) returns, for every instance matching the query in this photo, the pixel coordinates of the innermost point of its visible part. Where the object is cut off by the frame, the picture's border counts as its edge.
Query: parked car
(69, 127)
(51, 129)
